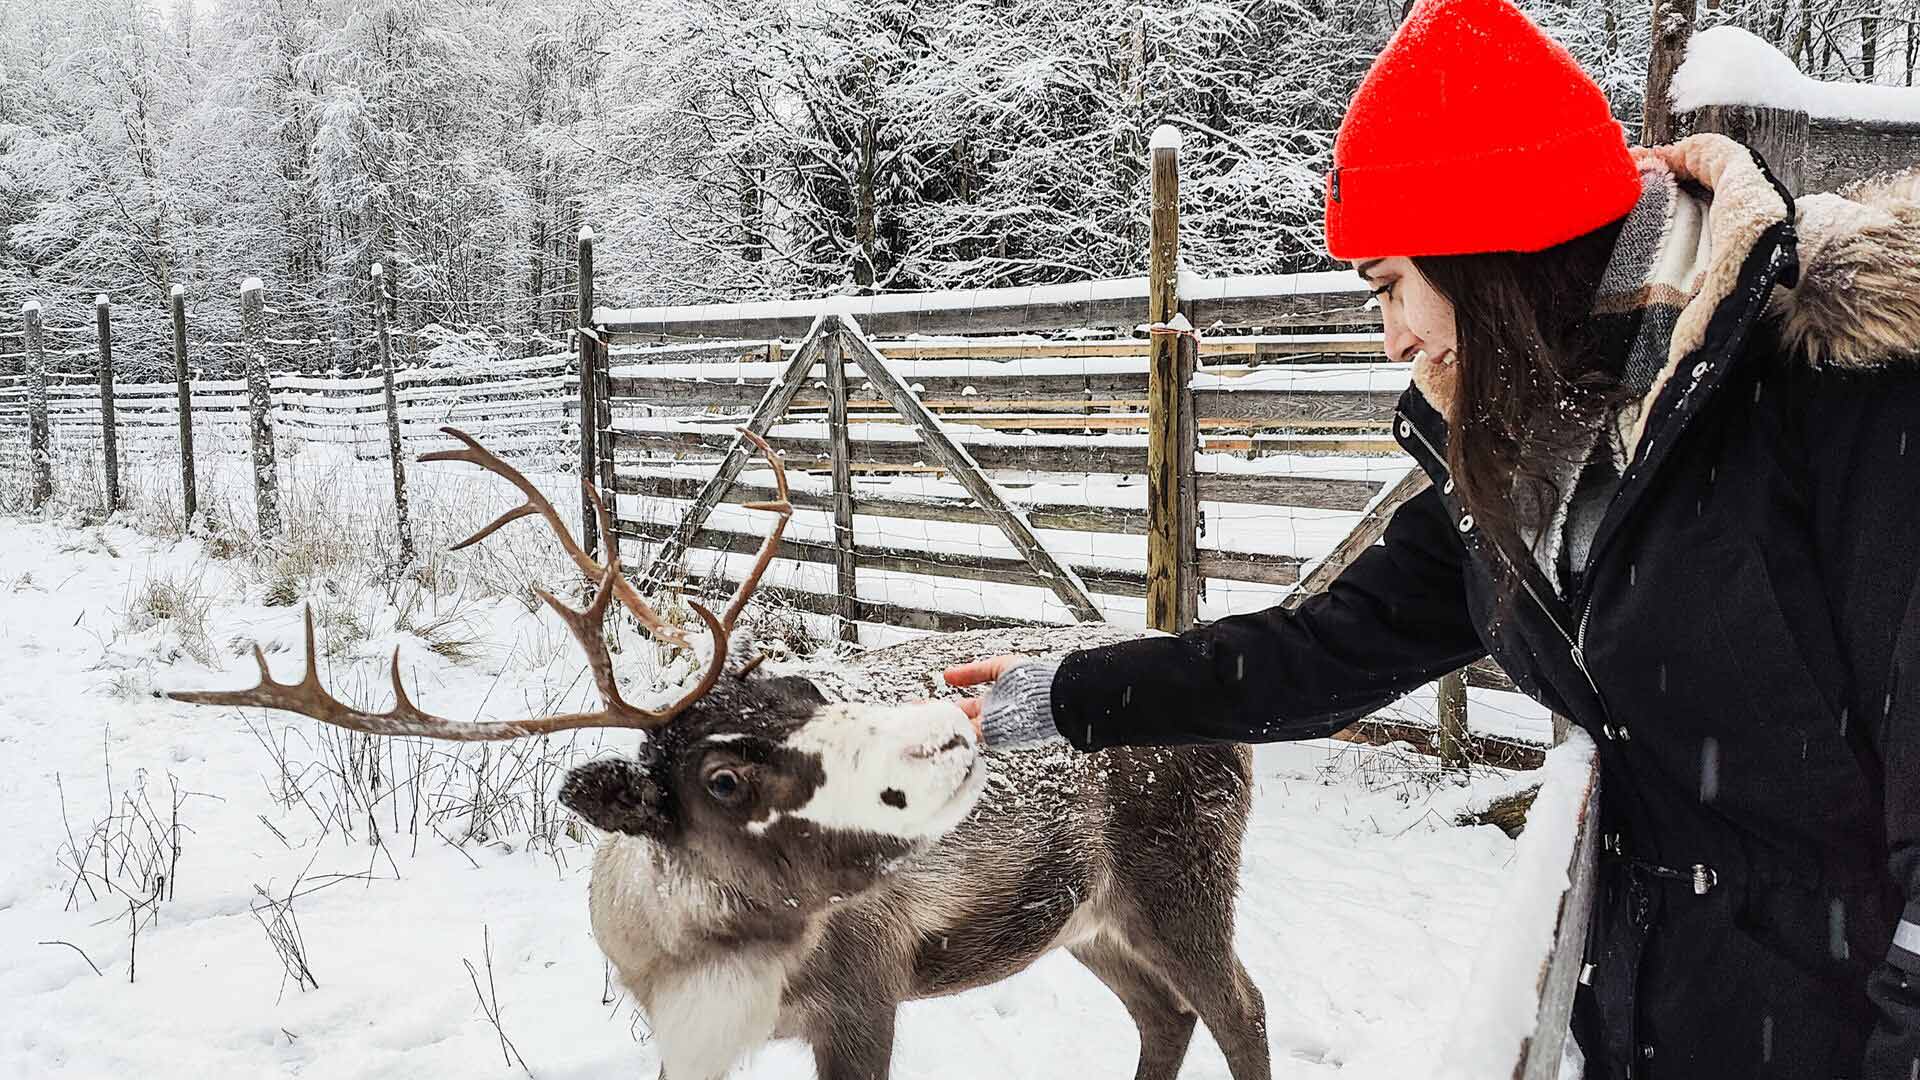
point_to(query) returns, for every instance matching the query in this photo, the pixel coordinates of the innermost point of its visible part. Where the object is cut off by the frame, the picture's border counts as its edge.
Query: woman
(1673, 426)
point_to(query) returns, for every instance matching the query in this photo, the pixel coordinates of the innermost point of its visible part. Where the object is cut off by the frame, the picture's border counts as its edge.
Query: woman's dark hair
(1532, 378)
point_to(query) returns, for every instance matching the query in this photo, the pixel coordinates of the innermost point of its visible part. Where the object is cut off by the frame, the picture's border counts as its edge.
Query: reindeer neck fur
(705, 962)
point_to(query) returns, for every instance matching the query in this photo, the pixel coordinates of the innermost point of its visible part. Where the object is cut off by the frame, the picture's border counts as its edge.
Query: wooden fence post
(1192, 583)
(1451, 740)
(183, 387)
(39, 453)
(109, 437)
(846, 600)
(1672, 29)
(589, 407)
(394, 455)
(1169, 458)
(253, 333)
(602, 440)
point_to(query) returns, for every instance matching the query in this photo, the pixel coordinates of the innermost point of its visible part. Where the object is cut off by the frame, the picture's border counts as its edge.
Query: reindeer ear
(617, 795)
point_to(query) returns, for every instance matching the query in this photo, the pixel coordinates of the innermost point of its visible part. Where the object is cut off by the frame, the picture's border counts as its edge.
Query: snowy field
(1361, 915)
(342, 907)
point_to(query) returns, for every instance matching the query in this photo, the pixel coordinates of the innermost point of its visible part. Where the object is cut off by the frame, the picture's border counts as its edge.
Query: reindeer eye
(723, 784)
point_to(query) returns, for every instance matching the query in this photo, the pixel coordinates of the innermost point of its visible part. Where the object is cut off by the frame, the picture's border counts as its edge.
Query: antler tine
(782, 506)
(585, 624)
(537, 503)
(309, 698)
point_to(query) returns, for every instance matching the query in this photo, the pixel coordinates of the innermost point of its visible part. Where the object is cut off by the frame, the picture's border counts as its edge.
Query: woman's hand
(978, 673)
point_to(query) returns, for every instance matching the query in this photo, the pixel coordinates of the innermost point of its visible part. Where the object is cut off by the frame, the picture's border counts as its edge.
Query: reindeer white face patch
(911, 771)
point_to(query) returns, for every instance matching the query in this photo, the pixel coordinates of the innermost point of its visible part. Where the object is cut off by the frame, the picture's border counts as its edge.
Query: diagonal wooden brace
(1012, 520)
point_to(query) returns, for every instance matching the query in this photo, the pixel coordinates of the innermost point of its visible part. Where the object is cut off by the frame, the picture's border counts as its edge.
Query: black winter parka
(1744, 650)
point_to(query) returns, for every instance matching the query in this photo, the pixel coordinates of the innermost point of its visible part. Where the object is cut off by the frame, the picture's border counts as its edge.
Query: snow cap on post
(1726, 65)
(586, 234)
(31, 305)
(177, 290)
(252, 284)
(100, 300)
(376, 271)
(1165, 137)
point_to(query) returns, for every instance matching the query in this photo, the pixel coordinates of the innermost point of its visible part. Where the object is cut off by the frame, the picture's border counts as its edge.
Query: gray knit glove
(1018, 710)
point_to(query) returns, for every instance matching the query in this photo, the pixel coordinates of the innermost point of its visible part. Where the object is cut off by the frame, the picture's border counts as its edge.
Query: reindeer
(779, 865)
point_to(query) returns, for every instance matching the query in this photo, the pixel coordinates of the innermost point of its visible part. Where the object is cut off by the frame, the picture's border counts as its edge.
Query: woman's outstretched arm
(1395, 619)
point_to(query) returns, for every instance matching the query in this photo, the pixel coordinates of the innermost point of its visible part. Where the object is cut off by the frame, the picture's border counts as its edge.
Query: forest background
(721, 150)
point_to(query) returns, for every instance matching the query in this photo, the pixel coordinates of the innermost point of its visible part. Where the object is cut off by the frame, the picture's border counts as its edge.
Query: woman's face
(1418, 319)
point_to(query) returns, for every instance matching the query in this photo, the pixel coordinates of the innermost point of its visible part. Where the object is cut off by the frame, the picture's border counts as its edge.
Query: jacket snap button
(1699, 369)
(1607, 730)
(1623, 733)
(1466, 523)
(1647, 1051)
(1447, 489)
(1406, 430)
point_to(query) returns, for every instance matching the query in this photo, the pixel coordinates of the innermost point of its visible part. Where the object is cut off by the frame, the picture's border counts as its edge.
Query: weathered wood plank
(842, 488)
(587, 341)
(1218, 348)
(988, 311)
(966, 567)
(1062, 516)
(1000, 570)
(1321, 493)
(1029, 393)
(909, 618)
(1193, 583)
(1166, 572)
(1492, 750)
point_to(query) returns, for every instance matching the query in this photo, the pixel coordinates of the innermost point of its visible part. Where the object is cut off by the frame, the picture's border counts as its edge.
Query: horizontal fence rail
(1334, 298)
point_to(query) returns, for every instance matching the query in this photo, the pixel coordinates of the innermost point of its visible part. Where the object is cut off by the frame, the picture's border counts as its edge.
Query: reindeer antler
(308, 698)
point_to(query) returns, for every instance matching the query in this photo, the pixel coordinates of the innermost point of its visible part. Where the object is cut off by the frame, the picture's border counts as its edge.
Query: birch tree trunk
(394, 453)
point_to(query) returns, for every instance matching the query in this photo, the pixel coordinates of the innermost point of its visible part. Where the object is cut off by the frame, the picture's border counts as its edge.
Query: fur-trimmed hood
(1858, 301)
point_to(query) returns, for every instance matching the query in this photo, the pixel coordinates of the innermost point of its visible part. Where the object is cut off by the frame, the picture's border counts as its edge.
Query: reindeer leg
(1203, 969)
(854, 1041)
(1165, 1027)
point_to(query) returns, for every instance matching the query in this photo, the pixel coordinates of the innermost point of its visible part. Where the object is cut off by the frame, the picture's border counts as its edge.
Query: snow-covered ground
(1364, 918)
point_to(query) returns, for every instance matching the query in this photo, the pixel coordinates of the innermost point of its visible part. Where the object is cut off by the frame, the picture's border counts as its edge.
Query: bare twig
(490, 1002)
(83, 955)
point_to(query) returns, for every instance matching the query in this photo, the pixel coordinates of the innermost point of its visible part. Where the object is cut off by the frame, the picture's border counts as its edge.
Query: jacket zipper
(1576, 641)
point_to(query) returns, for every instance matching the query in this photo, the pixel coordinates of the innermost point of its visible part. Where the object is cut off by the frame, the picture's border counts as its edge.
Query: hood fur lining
(1857, 304)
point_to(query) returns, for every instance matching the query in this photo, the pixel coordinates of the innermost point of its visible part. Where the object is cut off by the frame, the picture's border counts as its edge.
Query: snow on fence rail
(1108, 305)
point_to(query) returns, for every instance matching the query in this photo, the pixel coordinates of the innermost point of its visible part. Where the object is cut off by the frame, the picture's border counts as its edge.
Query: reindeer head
(765, 785)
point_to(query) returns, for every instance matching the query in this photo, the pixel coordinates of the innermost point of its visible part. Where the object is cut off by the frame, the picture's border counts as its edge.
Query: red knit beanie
(1474, 132)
